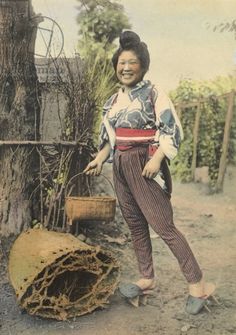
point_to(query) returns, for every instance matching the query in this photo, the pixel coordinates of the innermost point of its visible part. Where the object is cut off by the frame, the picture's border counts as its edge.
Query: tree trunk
(19, 115)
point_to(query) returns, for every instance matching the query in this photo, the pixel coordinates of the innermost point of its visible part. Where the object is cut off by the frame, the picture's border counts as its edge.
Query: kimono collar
(134, 92)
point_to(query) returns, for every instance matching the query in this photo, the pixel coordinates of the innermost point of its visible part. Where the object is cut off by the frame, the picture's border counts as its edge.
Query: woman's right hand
(94, 168)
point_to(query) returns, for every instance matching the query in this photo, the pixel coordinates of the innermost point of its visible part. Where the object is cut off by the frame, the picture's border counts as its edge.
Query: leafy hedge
(211, 128)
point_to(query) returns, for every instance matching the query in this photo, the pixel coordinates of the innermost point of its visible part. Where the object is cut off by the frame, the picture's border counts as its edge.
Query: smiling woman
(129, 71)
(141, 129)
(131, 61)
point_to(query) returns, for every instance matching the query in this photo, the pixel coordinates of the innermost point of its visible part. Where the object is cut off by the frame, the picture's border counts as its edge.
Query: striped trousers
(143, 202)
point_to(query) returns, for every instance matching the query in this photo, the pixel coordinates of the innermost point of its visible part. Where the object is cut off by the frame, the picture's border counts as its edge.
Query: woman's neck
(126, 89)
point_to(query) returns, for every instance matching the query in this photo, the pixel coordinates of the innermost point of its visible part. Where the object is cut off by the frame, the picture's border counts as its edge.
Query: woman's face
(129, 71)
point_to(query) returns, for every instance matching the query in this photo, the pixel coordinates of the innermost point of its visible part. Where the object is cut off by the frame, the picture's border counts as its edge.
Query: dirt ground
(208, 222)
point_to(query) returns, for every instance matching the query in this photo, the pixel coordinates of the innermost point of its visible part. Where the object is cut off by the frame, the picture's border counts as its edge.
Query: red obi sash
(127, 138)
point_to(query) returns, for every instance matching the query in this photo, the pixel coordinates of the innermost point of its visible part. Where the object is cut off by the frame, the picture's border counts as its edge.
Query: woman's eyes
(131, 62)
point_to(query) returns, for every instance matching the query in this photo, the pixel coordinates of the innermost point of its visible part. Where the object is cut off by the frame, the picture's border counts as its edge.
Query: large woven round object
(55, 275)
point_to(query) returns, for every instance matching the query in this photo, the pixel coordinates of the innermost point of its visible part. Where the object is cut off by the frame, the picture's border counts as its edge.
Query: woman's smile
(129, 71)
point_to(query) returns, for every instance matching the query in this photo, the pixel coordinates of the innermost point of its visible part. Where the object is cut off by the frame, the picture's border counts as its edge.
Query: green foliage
(100, 23)
(211, 136)
(211, 130)
(100, 78)
(181, 166)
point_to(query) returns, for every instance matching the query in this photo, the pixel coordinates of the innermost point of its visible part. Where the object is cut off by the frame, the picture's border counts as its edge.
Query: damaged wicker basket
(97, 208)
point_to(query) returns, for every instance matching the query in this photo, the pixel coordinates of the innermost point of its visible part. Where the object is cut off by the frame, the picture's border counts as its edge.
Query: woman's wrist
(158, 155)
(99, 160)
(103, 154)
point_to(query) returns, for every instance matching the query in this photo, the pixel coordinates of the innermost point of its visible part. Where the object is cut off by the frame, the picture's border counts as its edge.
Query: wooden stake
(195, 139)
(225, 145)
(41, 143)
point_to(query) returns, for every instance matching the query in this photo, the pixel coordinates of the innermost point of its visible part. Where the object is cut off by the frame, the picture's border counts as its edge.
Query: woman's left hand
(151, 168)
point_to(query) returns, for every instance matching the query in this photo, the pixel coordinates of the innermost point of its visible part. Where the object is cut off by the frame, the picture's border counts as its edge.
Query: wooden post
(195, 139)
(225, 145)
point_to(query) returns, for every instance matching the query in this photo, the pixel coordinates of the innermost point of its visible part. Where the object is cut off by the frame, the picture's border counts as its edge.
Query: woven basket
(99, 208)
(55, 275)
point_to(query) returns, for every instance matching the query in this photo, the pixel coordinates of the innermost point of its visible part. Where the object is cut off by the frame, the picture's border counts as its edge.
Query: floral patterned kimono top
(145, 106)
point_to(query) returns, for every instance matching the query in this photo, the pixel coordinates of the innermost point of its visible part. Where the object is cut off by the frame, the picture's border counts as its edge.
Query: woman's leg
(136, 221)
(155, 206)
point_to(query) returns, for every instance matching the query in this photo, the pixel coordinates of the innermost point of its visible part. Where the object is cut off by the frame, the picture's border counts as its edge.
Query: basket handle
(76, 175)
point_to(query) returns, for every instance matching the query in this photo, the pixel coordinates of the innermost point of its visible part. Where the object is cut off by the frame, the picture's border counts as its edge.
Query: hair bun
(129, 39)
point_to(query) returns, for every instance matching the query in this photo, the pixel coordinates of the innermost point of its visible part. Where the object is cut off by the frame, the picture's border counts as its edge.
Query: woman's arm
(153, 166)
(94, 168)
(169, 134)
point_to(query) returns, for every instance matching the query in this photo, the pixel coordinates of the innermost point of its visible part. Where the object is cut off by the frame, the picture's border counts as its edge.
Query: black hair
(130, 41)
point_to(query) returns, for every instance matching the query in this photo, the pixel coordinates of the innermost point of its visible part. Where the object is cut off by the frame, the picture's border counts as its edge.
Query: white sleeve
(168, 124)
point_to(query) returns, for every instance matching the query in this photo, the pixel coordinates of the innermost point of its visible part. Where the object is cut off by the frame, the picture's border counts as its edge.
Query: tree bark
(19, 115)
